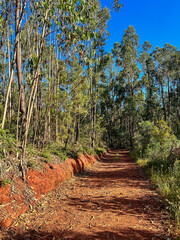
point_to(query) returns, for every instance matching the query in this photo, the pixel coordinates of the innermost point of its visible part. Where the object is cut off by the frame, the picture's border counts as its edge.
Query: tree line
(141, 84)
(59, 85)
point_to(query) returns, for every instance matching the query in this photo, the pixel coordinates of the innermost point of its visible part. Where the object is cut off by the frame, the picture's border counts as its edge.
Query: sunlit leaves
(117, 5)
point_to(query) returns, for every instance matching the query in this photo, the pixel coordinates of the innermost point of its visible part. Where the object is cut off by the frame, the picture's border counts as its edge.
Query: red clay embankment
(17, 198)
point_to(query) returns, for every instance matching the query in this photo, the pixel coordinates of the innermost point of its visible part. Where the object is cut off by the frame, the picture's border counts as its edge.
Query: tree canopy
(59, 86)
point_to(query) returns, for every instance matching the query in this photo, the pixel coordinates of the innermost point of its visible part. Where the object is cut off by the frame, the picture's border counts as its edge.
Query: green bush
(154, 141)
(45, 154)
(6, 143)
(31, 150)
(63, 156)
(71, 151)
(168, 181)
(99, 150)
(153, 152)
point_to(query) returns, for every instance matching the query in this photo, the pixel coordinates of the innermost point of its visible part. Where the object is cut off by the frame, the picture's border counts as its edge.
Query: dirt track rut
(112, 200)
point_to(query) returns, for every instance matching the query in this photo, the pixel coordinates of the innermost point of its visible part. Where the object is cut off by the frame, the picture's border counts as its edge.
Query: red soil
(112, 200)
(14, 202)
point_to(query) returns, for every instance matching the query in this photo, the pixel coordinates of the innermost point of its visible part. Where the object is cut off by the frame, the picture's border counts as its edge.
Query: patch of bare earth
(112, 200)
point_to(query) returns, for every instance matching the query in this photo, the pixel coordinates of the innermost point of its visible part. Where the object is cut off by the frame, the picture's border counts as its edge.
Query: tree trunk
(17, 26)
(163, 102)
(169, 99)
(34, 86)
(9, 73)
(18, 67)
(77, 128)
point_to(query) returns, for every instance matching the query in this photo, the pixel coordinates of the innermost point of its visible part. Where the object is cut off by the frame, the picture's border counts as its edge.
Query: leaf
(84, 37)
(89, 36)
(97, 35)
(57, 23)
(59, 36)
(52, 11)
(46, 5)
(90, 62)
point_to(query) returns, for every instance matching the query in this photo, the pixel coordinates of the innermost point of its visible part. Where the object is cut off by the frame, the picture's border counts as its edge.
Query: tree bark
(18, 68)
(163, 102)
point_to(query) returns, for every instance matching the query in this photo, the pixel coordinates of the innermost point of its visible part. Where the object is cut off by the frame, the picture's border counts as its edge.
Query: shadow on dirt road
(112, 200)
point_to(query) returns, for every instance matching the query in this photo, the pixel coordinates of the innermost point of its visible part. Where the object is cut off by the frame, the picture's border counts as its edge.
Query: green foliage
(32, 62)
(58, 152)
(143, 138)
(99, 150)
(153, 152)
(6, 143)
(56, 149)
(73, 153)
(90, 151)
(45, 154)
(31, 150)
(6, 181)
(117, 5)
(32, 163)
(165, 174)
(154, 141)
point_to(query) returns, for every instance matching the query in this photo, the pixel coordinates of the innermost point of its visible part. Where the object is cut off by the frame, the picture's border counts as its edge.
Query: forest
(61, 93)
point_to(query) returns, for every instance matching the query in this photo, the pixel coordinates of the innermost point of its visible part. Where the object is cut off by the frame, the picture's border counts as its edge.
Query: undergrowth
(57, 150)
(154, 153)
(10, 155)
(5, 182)
(166, 176)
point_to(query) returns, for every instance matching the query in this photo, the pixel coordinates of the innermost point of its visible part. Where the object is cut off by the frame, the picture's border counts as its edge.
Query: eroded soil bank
(111, 200)
(15, 199)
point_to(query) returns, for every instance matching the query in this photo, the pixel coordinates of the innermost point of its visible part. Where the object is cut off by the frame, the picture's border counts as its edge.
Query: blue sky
(157, 21)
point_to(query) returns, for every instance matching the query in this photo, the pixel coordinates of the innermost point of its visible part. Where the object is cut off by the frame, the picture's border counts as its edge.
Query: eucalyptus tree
(98, 23)
(168, 51)
(6, 15)
(116, 5)
(18, 20)
(148, 81)
(126, 55)
(161, 57)
(174, 89)
(109, 105)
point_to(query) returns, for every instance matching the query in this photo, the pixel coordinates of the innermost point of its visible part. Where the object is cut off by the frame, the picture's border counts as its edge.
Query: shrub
(154, 141)
(6, 143)
(153, 148)
(99, 150)
(45, 154)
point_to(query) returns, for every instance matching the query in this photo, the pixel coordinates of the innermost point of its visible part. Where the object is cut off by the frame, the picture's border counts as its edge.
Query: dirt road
(112, 200)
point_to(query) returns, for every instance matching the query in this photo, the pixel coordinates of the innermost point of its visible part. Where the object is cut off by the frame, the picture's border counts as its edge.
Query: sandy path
(112, 200)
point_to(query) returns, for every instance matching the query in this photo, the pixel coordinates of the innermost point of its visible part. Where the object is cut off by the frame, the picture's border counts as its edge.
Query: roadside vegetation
(155, 152)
